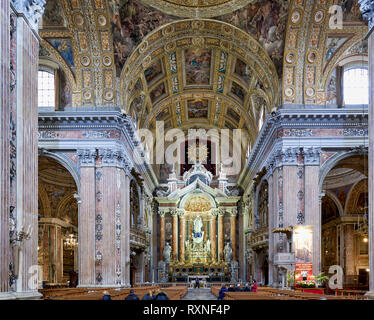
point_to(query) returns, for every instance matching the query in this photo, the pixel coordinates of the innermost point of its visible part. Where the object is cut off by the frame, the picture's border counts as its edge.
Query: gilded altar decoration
(197, 204)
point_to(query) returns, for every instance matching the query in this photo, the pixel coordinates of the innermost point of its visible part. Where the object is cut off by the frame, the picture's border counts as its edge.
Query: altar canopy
(203, 223)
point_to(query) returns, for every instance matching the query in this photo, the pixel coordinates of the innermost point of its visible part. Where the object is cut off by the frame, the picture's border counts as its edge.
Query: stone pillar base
(25, 295)
(7, 296)
(369, 295)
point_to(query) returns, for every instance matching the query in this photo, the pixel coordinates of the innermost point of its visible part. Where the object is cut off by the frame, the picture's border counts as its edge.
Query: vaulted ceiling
(199, 72)
(198, 63)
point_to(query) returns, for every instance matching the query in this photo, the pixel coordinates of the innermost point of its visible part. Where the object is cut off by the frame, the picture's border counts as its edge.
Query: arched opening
(344, 210)
(57, 225)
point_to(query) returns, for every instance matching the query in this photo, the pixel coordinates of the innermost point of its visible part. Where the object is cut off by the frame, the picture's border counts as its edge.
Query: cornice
(297, 117)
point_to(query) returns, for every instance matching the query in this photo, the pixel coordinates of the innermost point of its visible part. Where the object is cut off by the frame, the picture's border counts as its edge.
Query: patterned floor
(199, 294)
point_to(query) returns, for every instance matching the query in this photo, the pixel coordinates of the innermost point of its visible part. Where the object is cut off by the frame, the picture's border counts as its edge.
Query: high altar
(203, 226)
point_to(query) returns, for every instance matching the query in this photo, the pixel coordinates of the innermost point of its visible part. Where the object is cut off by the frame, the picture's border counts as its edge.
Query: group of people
(249, 287)
(150, 295)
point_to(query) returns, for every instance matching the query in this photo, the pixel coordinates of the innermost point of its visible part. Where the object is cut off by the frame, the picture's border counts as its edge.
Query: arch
(63, 203)
(225, 43)
(338, 204)
(354, 194)
(65, 163)
(193, 194)
(333, 161)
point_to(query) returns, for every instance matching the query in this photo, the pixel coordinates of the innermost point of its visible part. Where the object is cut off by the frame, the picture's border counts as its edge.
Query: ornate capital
(312, 156)
(367, 10)
(173, 212)
(233, 212)
(32, 9)
(87, 157)
(180, 213)
(214, 212)
(290, 156)
(162, 212)
(221, 212)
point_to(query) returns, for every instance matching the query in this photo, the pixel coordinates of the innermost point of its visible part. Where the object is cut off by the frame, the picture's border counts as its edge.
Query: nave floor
(199, 294)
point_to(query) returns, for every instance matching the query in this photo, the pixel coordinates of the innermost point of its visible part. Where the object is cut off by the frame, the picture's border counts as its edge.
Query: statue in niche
(166, 253)
(198, 233)
(208, 245)
(228, 252)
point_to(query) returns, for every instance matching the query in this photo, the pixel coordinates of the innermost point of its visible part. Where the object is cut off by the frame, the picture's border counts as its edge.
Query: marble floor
(199, 294)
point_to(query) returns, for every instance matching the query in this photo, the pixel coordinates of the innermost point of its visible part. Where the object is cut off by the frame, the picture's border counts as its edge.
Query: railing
(259, 238)
(284, 258)
(138, 238)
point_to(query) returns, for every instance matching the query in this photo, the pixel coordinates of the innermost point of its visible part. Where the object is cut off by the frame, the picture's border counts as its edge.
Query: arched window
(356, 86)
(46, 89)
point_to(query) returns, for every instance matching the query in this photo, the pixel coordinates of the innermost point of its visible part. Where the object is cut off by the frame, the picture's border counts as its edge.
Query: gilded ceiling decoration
(79, 34)
(197, 8)
(264, 20)
(313, 49)
(199, 72)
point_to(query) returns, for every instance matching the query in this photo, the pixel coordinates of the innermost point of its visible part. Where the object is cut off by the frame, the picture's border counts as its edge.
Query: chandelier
(70, 242)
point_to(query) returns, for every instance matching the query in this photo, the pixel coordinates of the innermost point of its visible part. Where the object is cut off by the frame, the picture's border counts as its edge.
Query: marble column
(233, 214)
(26, 141)
(175, 235)
(104, 220)
(220, 235)
(371, 165)
(4, 145)
(86, 224)
(213, 235)
(367, 8)
(181, 235)
(349, 247)
(313, 215)
(162, 234)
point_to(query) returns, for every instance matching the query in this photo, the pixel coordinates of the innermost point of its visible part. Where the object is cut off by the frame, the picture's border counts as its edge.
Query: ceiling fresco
(265, 20)
(199, 72)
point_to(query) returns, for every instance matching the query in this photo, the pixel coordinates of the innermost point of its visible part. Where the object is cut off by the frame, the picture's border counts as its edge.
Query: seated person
(231, 288)
(222, 291)
(148, 296)
(132, 296)
(160, 295)
(106, 295)
(247, 288)
(254, 286)
(237, 288)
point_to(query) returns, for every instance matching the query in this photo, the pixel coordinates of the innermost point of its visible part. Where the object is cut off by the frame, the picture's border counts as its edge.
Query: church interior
(173, 144)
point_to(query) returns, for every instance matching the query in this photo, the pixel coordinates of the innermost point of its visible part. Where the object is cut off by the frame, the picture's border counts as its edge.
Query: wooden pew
(174, 293)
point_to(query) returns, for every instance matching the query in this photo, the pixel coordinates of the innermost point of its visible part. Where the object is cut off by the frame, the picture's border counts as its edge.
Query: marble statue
(197, 225)
(208, 245)
(228, 252)
(166, 253)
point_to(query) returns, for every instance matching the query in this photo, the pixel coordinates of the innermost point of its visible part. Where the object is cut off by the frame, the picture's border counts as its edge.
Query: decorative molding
(32, 9)
(87, 157)
(367, 9)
